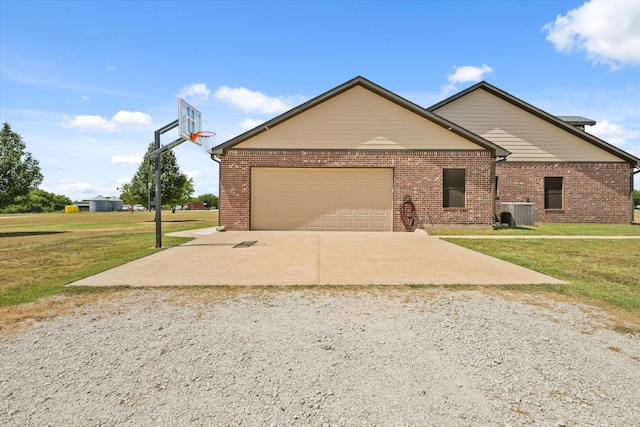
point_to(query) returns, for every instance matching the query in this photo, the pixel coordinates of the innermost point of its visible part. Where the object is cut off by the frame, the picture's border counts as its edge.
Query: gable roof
(379, 90)
(550, 118)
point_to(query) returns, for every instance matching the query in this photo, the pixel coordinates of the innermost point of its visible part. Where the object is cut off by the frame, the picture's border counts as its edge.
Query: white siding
(359, 119)
(528, 137)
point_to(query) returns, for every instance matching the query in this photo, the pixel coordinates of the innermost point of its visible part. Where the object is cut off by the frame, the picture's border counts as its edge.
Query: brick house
(570, 175)
(360, 157)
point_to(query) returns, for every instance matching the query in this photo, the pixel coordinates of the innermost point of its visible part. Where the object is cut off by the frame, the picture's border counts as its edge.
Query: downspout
(215, 159)
(493, 192)
(631, 179)
(493, 187)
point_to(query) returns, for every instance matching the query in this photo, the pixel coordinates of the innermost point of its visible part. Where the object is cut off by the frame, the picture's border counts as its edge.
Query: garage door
(322, 199)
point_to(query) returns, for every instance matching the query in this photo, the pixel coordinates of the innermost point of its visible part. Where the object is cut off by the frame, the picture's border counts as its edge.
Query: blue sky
(86, 83)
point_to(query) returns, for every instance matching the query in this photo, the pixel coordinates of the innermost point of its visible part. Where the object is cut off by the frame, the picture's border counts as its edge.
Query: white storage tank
(116, 204)
(99, 204)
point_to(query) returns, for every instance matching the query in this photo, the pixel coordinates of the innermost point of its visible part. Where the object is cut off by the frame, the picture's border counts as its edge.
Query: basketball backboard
(189, 122)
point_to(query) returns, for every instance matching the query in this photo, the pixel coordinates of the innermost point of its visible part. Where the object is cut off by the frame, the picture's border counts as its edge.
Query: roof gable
(527, 131)
(364, 100)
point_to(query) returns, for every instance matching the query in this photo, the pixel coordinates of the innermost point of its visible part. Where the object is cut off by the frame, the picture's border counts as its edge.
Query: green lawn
(543, 229)
(603, 273)
(41, 253)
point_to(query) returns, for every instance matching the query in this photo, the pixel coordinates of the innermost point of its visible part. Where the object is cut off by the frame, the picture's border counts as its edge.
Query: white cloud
(85, 98)
(99, 123)
(250, 123)
(196, 91)
(249, 100)
(608, 31)
(468, 73)
(613, 134)
(193, 174)
(464, 74)
(69, 186)
(122, 181)
(126, 160)
(90, 123)
(110, 67)
(134, 118)
(78, 190)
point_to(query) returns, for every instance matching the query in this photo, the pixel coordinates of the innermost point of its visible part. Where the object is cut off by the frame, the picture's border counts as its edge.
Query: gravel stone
(339, 358)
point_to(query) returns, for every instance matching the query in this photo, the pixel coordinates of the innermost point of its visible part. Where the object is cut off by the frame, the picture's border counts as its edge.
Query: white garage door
(321, 199)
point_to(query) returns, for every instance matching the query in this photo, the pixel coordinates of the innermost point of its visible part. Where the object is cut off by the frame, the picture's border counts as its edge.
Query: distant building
(194, 206)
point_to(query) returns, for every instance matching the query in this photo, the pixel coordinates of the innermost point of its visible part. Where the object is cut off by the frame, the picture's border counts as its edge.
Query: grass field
(603, 273)
(41, 253)
(546, 230)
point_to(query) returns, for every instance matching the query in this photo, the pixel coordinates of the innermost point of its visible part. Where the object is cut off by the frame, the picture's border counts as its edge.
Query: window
(553, 193)
(453, 188)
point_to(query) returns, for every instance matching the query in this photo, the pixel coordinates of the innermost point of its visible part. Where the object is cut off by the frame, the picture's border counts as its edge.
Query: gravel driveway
(321, 357)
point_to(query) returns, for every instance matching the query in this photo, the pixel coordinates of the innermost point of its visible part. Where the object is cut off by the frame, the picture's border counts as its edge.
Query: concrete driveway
(315, 258)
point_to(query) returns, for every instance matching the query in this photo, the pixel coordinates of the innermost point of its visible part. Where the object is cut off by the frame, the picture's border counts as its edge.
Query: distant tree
(19, 172)
(187, 192)
(126, 195)
(38, 201)
(210, 199)
(176, 186)
(636, 197)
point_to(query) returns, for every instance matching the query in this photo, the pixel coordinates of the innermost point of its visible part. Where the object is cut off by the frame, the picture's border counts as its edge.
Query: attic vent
(577, 121)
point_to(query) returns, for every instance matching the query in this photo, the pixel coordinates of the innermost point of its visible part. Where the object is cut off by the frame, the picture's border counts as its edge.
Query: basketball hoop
(202, 134)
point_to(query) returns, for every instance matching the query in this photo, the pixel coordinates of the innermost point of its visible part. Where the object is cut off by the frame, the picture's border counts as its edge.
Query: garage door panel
(345, 212)
(321, 199)
(379, 225)
(329, 224)
(347, 224)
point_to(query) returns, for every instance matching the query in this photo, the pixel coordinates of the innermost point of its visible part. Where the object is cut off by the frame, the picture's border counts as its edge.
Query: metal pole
(157, 134)
(158, 201)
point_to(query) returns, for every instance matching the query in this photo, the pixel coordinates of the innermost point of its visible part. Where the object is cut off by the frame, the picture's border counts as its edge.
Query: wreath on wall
(408, 214)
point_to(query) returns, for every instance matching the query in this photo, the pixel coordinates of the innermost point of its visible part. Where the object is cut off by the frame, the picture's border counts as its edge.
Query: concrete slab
(310, 258)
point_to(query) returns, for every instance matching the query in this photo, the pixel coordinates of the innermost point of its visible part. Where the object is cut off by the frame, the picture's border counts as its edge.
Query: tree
(19, 172)
(176, 186)
(210, 199)
(636, 198)
(127, 196)
(38, 201)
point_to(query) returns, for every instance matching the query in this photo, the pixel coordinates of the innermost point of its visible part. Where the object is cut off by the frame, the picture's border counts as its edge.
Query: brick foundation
(592, 192)
(415, 173)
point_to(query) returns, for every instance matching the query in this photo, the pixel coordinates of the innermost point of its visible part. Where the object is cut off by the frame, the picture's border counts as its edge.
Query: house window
(453, 188)
(553, 193)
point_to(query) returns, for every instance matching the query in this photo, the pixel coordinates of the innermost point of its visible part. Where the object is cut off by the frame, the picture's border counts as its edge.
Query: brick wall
(592, 192)
(416, 173)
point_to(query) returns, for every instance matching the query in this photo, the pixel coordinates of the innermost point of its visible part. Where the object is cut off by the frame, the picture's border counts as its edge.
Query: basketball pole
(158, 155)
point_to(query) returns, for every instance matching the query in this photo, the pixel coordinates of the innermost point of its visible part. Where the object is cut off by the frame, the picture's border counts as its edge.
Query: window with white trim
(453, 188)
(553, 192)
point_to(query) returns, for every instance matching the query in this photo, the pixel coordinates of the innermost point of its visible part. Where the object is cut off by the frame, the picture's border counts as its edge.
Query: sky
(86, 83)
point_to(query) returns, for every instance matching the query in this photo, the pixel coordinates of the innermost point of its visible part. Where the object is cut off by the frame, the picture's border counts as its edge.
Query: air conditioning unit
(522, 213)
